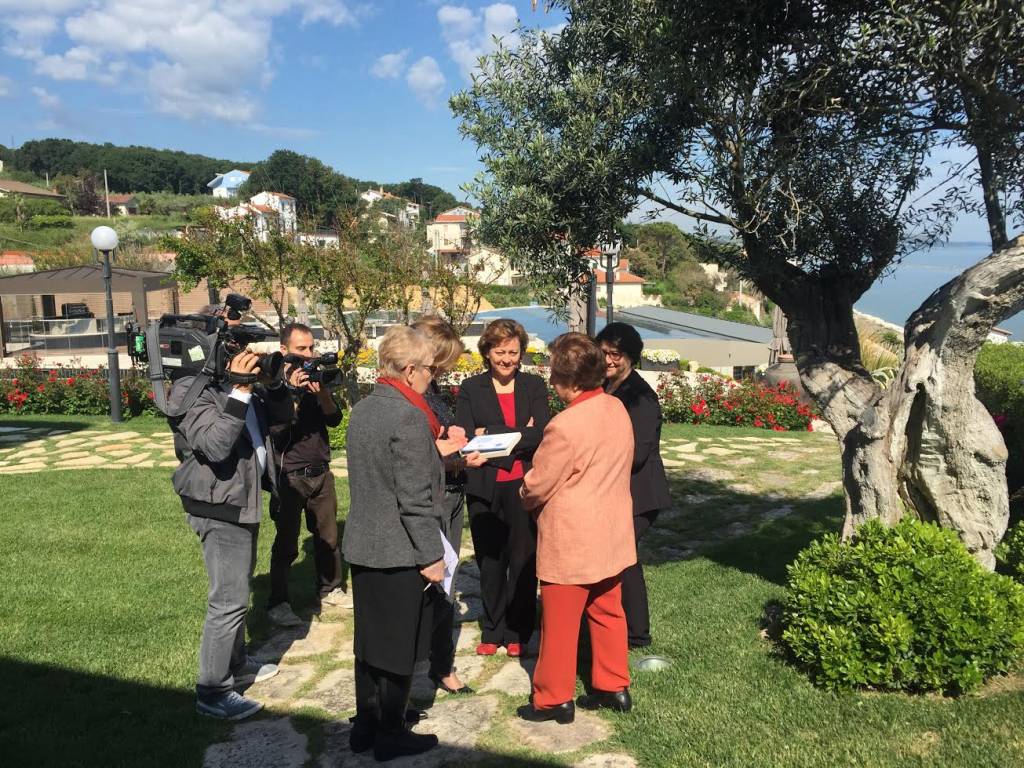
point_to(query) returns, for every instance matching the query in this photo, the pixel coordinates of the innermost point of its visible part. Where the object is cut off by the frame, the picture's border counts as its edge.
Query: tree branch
(709, 217)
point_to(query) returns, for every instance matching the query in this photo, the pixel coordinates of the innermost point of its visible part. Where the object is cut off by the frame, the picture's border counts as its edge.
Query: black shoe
(563, 713)
(362, 735)
(388, 746)
(639, 643)
(463, 691)
(620, 701)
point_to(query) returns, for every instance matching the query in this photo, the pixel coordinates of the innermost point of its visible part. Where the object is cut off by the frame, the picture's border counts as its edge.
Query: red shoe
(514, 649)
(486, 649)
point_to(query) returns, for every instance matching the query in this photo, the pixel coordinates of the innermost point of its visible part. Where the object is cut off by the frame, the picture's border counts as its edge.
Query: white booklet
(451, 562)
(493, 446)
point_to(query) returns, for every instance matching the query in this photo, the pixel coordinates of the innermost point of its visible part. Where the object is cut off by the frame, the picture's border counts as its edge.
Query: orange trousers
(554, 680)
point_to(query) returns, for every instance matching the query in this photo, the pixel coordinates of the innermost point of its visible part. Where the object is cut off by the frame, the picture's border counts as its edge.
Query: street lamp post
(104, 240)
(592, 298)
(610, 262)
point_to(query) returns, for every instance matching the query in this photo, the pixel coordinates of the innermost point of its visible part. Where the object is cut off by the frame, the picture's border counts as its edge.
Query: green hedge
(999, 379)
(901, 608)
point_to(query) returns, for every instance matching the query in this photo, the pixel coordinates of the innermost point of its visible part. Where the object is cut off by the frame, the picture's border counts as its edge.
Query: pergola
(85, 279)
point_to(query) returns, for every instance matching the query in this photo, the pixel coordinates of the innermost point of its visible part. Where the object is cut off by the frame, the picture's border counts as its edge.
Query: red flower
(151, 395)
(778, 428)
(758, 422)
(455, 391)
(700, 408)
(1000, 419)
(810, 427)
(41, 388)
(70, 381)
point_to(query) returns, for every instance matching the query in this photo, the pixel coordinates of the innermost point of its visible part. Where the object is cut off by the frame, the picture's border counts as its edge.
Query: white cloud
(46, 99)
(390, 65)
(470, 34)
(426, 81)
(194, 58)
(5, 86)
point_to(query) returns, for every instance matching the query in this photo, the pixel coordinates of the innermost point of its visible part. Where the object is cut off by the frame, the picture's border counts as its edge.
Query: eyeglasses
(613, 355)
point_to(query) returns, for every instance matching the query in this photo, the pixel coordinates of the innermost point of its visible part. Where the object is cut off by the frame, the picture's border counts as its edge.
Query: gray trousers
(229, 552)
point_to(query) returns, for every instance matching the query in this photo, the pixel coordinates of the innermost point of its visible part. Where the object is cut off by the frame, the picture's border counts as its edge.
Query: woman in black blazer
(622, 346)
(504, 399)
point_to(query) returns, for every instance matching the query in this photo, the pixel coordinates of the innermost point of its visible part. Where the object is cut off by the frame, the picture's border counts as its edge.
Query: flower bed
(659, 360)
(36, 390)
(724, 402)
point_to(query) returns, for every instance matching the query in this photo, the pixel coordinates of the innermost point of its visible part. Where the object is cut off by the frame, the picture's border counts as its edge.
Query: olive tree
(804, 128)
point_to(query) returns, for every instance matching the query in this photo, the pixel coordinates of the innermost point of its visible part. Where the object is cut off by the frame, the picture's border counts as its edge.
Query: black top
(454, 465)
(306, 444)
(477, 406)
(647, 482)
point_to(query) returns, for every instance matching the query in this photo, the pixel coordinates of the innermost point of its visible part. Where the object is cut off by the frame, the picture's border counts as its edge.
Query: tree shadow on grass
(50, 716)
(15, 432)
(757, 533)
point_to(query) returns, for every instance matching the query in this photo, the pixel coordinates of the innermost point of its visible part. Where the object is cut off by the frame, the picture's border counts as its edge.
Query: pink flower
(1000, 419)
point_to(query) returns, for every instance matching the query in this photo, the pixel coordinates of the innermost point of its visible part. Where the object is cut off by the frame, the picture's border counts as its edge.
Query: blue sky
(361, 84)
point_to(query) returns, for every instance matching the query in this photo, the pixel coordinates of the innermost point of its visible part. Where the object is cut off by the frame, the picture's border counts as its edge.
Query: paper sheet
(451, 562)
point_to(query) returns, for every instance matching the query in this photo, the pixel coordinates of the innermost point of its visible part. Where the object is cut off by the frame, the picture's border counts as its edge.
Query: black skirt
(392, 617)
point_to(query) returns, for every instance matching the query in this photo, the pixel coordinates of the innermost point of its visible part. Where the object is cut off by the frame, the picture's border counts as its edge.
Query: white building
(268, 210)
(408, 214)
(227, 184)
(627, 288)
(449, 238)
(323, 238)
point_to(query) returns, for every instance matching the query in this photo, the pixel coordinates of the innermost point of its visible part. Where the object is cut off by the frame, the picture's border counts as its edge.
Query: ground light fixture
(104, 240)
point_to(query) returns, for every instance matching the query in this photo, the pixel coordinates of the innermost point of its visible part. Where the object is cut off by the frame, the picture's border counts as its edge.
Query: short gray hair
(403, 346)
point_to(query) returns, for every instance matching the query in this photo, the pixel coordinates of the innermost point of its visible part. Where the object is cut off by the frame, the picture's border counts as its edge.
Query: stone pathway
(316, 679)
(39, 449)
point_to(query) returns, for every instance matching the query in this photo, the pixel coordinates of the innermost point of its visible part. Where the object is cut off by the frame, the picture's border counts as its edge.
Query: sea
(899, 293)
(892, 298)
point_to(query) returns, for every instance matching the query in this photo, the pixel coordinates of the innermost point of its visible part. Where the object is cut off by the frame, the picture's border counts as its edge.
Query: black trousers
(318, 498)
(442, 644)
(634, 589)
(505, 540)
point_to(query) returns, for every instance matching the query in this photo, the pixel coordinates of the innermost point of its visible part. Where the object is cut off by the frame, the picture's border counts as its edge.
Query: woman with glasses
(393, 540)
(622, 345)
(503, 399)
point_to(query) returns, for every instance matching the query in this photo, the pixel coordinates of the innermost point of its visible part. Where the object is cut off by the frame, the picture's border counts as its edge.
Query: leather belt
(311, 471)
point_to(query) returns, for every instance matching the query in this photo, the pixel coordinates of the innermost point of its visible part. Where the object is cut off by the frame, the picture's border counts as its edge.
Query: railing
(64, 333)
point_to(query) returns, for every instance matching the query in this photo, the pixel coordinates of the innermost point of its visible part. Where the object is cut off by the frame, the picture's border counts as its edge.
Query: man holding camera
(305, 483)
(223, 440)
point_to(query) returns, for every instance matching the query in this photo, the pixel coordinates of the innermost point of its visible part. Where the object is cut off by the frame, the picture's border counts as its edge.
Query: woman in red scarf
(392, 540)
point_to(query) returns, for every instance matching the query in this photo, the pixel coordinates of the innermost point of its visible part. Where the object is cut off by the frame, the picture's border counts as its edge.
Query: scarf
(416, 399)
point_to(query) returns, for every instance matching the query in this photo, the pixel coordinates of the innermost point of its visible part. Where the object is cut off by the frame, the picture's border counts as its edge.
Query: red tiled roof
(20, 188)
(447, 218)
(262, 208)
(620, 277)
(121, 199)
(15, 259)
(281, 194)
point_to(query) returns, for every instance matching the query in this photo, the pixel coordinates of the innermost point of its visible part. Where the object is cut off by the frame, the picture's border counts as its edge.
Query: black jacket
(647, 482)
(477, 406)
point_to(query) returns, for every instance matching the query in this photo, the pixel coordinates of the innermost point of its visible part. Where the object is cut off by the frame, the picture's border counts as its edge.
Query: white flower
(661, 355)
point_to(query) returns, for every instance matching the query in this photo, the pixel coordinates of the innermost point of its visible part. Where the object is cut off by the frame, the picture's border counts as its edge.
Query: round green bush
(1010, 552)
(903, 608)
(338, 434)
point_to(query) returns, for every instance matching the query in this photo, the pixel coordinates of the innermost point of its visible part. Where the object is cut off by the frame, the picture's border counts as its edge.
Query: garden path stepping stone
(12, 429)
(61, 444)
(146, 464)
(607, 761)
(744, 461)
(169, 464)
(423, 689)
(466, 637)
(18, 469)
(775, 514)
(810, 472)
(131, 460)
(686, 448)
(264, 743)
(457, 723)
(336, 693)
(107, 447)
(716, 451)
(85, 461)
(115, 436)
(285, 684)
(552, 737)
(709, 475)
(513, 679)
(33, 451)
(468, 609)
(673, 463)
(305, 640)
(823, 491)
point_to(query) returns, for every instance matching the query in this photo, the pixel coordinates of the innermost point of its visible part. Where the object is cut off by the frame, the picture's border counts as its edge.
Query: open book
(493, 446)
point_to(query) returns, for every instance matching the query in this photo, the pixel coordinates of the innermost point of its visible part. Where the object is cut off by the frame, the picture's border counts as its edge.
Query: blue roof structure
(692, 326)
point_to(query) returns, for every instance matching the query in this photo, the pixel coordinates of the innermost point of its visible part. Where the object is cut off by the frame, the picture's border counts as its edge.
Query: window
(743, 372)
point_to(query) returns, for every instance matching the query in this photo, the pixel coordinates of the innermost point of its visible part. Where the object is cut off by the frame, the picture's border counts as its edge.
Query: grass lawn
(104, 589)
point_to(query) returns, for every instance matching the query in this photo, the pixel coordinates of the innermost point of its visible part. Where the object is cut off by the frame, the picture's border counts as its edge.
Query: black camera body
(322, 370)
(176, 346)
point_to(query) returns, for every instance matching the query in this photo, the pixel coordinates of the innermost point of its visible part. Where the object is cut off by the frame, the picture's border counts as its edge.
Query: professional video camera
(203, 346)
(323, 370)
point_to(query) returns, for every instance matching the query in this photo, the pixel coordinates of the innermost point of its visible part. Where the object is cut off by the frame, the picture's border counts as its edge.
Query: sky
(362, 85)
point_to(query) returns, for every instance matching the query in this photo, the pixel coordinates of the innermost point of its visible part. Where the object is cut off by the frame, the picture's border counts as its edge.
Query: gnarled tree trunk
(925, 445)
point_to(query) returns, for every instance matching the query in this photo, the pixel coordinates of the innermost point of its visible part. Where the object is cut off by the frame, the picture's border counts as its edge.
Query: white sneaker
(283, 615)
(338, 598)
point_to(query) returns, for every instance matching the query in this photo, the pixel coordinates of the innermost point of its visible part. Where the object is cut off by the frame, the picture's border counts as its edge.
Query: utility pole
(106, 192)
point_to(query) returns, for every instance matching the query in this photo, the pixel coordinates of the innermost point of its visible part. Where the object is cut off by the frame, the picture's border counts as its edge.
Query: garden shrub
(1010, 552)
(903, 608)
(50, 222)
(337, 435)
(999, 381)
(724, 402)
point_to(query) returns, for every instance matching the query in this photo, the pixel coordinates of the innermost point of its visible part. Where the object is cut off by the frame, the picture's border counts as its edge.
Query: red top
(507, 401)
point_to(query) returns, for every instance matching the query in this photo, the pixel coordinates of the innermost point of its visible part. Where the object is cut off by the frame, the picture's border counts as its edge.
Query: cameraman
(223, 442)
(305, 484)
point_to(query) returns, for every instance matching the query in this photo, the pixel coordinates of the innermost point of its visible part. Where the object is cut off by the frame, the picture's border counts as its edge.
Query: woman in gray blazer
(392, 541)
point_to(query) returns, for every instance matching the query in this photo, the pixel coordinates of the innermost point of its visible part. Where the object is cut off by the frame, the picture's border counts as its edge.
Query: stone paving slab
(284, 685)
(335, 693)
(305, 640)
(262, 743)
(607, 761)
(515, 678)
(554, 738)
